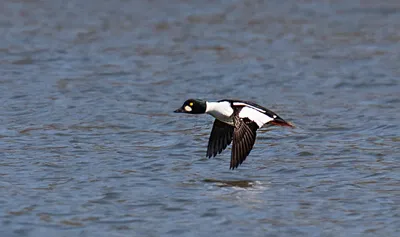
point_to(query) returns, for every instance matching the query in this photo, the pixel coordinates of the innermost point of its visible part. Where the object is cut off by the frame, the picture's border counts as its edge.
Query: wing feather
(244, 137)
(220, 138)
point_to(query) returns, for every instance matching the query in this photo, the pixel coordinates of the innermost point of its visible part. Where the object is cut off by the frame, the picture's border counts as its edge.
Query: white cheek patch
(188, 108)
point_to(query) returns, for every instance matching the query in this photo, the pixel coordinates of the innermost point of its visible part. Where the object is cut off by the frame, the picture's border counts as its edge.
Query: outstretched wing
(220, 138)
(244, 137)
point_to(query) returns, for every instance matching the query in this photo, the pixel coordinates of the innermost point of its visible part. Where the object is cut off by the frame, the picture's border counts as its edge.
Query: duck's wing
(244, 137)
(220, 138)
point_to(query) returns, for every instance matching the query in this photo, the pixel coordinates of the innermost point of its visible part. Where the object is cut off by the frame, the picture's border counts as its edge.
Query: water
(90, 147)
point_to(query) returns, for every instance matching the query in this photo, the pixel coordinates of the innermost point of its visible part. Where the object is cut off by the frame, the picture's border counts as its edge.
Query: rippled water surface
(90, 147)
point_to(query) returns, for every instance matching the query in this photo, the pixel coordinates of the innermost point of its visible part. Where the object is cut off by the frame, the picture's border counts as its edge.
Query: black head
(192, 106)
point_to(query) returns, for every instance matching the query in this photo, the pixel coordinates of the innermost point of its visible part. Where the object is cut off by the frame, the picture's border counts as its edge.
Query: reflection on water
(231, 183)
(90, 147)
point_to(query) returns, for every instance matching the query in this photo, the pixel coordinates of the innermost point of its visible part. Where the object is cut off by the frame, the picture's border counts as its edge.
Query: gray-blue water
(89, 145)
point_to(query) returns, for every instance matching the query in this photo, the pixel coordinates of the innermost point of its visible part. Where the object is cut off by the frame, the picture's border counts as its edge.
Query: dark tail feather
(280, 122)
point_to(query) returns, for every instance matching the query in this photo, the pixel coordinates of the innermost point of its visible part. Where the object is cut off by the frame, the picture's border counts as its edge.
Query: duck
(236, 122)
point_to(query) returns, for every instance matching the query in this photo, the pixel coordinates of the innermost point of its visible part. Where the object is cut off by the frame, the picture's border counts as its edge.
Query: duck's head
(192, 106)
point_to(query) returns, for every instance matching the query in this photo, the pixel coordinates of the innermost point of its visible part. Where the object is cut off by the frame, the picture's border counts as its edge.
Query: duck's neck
(220, 110)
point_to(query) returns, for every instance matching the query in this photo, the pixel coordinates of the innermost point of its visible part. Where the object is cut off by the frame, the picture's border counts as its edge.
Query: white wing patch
(247, 105)
(255, 115)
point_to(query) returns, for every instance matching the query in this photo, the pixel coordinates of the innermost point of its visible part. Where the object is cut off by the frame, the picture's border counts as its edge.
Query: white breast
(255, 115)
(220, 110)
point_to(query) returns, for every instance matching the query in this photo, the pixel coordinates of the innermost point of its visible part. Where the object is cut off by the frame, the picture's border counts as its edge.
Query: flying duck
(235, 120)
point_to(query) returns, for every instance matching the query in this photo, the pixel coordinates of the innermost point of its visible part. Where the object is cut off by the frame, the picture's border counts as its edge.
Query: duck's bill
(280, 122)
(180, 110)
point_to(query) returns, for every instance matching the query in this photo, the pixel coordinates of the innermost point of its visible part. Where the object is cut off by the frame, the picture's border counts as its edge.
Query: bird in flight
(236, 122)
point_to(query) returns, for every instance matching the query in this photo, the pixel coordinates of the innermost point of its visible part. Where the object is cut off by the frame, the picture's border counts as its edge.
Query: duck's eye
(191, 104)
